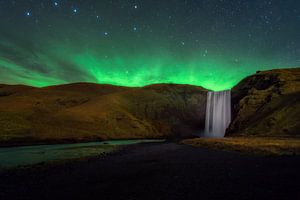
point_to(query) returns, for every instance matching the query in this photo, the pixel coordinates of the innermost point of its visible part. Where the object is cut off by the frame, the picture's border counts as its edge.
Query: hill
(87, 111)
(267, 104)
(263, 104)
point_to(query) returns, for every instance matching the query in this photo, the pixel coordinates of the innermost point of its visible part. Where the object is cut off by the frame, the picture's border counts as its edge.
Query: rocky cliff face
(84, 111)
(267, 104)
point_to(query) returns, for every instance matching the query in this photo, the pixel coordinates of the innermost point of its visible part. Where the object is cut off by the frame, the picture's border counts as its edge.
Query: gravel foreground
(159, 171)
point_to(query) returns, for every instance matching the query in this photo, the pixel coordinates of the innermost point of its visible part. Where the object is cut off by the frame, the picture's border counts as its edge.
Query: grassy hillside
(267, 104)
(86, 111)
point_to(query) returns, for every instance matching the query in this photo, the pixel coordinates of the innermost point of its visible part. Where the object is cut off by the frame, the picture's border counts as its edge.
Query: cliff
(267, 104)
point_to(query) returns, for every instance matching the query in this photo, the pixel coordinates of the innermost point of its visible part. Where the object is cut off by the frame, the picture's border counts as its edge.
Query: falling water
(218, 113)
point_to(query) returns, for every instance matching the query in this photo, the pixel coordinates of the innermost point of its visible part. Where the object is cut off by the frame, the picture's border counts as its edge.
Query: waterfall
(218, 113)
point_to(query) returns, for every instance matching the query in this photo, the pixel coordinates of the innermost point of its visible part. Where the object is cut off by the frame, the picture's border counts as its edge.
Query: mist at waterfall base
(218, 114)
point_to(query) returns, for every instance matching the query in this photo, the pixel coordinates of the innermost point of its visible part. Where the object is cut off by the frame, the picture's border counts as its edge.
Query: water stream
(11, 157)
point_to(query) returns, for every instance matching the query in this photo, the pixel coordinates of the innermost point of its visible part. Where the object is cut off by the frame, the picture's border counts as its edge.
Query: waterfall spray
(218, 113)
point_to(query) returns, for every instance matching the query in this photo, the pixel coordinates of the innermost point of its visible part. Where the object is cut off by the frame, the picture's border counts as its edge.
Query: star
(75, 10)
(135, 7)
(106, 33)
(55, 3)
(134, 28)
(28, 13)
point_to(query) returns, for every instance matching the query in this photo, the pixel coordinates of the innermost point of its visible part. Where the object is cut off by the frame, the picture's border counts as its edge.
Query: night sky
(211, 43)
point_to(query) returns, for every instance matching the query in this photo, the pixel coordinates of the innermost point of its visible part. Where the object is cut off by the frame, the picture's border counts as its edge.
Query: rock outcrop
(86, 111)
(267, 104)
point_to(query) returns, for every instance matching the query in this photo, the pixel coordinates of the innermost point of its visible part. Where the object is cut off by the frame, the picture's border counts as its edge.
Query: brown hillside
(85, 111)
(6, 90)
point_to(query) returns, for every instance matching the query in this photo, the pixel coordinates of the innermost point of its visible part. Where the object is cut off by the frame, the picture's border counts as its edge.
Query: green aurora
(212, 72)
(56, 46)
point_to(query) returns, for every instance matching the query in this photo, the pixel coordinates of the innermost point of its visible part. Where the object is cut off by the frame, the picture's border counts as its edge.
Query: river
(11, 157)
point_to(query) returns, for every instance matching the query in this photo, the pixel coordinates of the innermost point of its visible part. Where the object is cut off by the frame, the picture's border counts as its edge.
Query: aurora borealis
(210, 43)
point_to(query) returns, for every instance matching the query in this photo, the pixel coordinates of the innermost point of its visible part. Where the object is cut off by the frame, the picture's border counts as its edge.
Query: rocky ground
(159, 171)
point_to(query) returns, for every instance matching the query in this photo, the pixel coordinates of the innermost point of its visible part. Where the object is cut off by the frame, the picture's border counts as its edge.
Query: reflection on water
(28, 155)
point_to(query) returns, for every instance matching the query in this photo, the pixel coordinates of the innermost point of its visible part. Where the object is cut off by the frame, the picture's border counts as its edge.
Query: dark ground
(159, 171)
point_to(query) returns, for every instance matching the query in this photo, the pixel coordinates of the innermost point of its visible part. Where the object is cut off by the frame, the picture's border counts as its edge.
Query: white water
(218, 113)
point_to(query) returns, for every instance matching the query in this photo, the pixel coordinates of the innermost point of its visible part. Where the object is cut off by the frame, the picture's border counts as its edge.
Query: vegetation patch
(251, 145)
